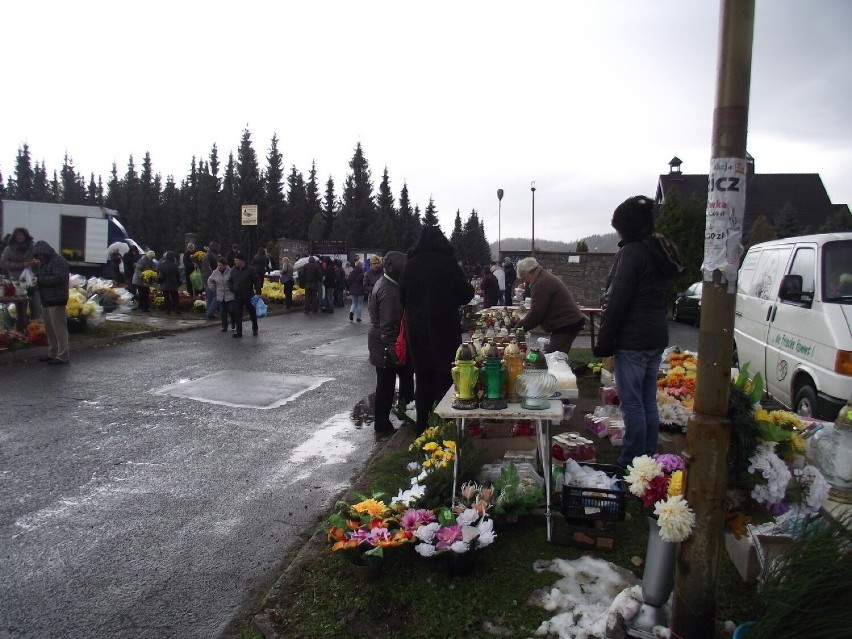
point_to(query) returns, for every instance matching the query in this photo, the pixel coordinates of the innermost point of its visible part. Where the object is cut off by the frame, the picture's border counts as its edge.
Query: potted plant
(515, 496)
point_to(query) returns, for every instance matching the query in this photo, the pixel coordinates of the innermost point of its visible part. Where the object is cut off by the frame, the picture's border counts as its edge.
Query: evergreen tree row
(208, 201)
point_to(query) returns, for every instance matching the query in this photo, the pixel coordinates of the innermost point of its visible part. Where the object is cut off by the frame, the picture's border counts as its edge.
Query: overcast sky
(588, 99)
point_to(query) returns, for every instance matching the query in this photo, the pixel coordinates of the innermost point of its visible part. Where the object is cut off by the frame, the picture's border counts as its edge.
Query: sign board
(726, 196)
(249, 215)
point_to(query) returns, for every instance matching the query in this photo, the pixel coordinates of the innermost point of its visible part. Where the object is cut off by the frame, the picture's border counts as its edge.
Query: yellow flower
(427, 463)
(450, 445)
(676, 483)
(430, 446)
(372, 507)
(762, 415)
(797, 442)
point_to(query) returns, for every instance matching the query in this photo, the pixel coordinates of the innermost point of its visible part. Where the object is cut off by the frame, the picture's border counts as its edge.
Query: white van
(793, 318)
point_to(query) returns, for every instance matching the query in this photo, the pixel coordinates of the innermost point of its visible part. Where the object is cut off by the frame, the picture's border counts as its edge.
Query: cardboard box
(491, 449)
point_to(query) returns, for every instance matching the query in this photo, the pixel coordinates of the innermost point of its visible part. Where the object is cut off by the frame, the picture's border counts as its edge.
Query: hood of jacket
(432, 240)
(42, 249)
(394, 262)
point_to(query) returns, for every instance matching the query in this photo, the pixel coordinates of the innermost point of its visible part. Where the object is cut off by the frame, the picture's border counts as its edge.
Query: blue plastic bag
(259, 306)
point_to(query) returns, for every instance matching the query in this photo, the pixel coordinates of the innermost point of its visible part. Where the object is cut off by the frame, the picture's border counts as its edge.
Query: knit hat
(240, 256)
(394, 262)
(634, 218)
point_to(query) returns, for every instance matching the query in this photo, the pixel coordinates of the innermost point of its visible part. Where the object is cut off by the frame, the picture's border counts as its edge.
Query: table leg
(459, 435)
(543, 445)
(592, 328)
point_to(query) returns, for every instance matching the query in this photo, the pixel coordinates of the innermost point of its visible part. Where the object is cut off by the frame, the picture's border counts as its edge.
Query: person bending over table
(553, 307)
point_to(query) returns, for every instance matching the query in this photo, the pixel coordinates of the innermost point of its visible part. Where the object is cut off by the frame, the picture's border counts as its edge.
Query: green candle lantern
(465, 375)
(494, 377)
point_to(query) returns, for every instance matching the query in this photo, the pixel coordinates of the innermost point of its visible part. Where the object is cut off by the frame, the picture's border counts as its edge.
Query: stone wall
(584, 273)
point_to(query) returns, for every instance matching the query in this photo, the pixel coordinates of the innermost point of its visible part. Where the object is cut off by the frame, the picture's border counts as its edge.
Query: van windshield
(837, 272)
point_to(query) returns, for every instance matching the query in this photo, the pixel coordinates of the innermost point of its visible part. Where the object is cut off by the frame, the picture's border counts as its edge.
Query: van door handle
(774, 310)
(769, 312)
(738, 313)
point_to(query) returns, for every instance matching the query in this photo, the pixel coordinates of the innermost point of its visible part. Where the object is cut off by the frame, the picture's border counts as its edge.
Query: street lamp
(499, 203)
(532, 242)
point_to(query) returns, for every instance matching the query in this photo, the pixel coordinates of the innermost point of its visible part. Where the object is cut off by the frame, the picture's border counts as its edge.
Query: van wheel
(806, 402)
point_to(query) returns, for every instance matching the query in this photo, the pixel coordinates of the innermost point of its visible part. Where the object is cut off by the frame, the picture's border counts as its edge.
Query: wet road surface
(154, 489)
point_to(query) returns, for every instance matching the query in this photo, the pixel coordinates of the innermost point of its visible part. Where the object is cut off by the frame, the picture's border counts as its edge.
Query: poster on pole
(248, 215)
(723, 232)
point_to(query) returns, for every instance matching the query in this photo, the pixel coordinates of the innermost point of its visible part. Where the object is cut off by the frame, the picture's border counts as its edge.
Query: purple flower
(778, 509)
(669, 463)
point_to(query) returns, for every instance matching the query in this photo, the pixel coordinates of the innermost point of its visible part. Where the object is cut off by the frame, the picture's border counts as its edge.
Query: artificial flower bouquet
(149, 276)
(197, 257)
(676, 390)
(364, 529)
(769, 474)
(451, 532)
(658, 481)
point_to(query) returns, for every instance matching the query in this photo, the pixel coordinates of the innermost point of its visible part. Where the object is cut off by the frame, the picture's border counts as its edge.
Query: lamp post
(532, 242)
(499, 204)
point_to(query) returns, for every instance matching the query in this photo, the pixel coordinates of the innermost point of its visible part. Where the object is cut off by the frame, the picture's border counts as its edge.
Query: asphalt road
(154, 489)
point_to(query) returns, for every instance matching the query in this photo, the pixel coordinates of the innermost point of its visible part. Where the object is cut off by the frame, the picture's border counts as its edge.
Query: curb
(264, 621)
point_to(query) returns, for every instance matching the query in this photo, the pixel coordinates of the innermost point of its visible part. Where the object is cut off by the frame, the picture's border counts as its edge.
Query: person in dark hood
(168, 277)
(310, 276)
(633, 323)
(385, 310)
(51, 270)
(432, 288)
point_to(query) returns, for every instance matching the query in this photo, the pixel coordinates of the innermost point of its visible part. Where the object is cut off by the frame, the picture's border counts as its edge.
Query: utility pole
(709, 430)
(499, 210)
(532, 241)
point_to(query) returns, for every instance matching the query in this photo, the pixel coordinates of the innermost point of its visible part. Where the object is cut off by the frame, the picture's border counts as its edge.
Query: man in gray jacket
(51, 271)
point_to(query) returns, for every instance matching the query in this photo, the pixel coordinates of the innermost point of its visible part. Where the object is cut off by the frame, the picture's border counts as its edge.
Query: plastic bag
(259, 306)
(28, 278)
(197, 280)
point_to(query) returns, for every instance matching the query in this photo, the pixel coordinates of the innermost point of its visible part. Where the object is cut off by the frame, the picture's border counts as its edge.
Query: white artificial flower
(412, 467)
(486, 533)
(469, 534)
(773, 469)
(641, 472)
(675, 517)
(460, 547)
(468, 517)
(425, 550)
(427, 533)
(814, 489)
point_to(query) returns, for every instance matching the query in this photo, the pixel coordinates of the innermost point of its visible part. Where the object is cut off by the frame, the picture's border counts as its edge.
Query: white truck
(81, 233)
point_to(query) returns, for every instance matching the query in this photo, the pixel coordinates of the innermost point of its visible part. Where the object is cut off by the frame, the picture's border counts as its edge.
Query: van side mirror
(791, 289)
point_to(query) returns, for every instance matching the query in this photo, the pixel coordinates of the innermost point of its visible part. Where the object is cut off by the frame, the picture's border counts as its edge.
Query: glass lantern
(535, 384)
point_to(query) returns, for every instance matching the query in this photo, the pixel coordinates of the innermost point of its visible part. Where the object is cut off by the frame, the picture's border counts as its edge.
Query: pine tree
(684, 226)
(296, 222)
(41, 187)
(382, 229)
(149, 208)
(761, 231)
(21, 188)
(230, 205)
(786, 222)
(250, 191)
(215, 221)
(330, 209)
(457, 236)
(476, 247)
(115, 195)
(430, 217)
(94, 195)
(71, 193)
(582, 247)
(407, 229)
(273, 221)
(358, 209)
(312, 197)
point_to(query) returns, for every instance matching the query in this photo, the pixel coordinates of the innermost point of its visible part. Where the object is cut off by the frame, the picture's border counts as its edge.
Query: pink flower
(447, 536)
(412, 519)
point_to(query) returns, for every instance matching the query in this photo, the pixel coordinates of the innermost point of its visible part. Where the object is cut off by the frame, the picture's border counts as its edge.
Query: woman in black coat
(168, 277)
(432, 288)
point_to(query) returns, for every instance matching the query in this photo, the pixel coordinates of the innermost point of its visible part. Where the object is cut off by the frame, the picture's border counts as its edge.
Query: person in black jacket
(633, 323)
(355, 282)
(511, 276)
(188, 268)
(260, 262)
(51, 271)
(310, 276)
(244, 282)
(432, 288)
(168, 277)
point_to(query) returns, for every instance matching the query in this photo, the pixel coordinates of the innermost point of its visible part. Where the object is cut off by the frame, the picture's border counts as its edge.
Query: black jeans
(144, 297)
(288, 293)
(226, 310)
(239, 305)
(385, 386)
(171, 300)
(431, 387)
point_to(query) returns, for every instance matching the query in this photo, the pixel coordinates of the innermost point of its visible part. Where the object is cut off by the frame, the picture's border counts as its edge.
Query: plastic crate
(596, 504)
(582, 533)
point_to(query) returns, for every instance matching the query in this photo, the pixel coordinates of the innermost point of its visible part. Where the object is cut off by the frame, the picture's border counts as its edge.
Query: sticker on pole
(249, 215)
(723, 233)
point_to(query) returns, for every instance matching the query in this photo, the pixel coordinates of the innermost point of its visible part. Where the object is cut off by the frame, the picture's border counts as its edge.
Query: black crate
(596, 504)
(583, 533)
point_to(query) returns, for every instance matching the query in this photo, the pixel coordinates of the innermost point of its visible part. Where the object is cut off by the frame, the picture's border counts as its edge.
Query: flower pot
(366, 568)
(459, 564)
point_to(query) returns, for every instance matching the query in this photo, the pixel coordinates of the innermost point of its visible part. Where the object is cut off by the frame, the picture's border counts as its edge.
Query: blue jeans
(212, 302)
(357, 305)
(636, 379)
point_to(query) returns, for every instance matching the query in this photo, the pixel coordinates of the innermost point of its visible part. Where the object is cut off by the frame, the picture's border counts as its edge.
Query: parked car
(687, 306)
